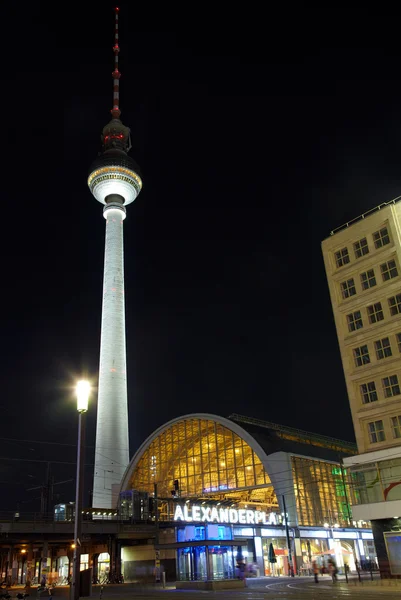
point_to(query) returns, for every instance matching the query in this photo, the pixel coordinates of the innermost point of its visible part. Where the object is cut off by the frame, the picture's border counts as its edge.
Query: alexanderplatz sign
(213, 514)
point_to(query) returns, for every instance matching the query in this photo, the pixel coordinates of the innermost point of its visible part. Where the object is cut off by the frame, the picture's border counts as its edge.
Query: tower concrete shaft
(114, 180)
(112, 442)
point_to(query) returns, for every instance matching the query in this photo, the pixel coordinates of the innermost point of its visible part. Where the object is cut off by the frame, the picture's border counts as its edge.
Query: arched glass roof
(201, 454)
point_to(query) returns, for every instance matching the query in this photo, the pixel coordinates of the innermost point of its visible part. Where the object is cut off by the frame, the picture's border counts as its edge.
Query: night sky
(251, 152)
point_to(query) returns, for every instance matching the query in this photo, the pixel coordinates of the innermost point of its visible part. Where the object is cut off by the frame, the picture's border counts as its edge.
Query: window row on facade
(361, 247)
(386, 387)
(379, 430)
(368, 279)
(386, 347)
(374, 313)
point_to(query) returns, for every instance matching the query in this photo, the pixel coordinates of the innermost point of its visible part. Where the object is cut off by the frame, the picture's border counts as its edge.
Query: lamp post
(82, 392)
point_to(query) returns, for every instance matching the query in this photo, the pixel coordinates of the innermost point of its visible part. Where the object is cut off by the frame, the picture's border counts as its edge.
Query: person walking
(333, 569)
(315, 569)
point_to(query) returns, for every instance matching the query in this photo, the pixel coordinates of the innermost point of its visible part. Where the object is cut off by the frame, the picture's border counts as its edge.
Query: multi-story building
(363, 266)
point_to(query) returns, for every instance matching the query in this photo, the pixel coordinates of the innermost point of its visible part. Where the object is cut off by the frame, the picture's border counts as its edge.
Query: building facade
(226, 489)
(363, 267)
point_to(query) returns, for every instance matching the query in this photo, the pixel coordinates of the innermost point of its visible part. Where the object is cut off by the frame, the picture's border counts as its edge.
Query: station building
(223, 489)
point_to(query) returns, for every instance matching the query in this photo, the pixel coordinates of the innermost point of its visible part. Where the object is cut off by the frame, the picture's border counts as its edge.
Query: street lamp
(82, 392)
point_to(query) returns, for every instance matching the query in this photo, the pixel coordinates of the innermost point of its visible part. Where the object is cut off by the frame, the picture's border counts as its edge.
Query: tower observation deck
(114, 180)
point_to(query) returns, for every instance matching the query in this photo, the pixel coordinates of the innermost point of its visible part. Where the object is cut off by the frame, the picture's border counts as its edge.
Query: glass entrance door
(221, 562)
(192, 563)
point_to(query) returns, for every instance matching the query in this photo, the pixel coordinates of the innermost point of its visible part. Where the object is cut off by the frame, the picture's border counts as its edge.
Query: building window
(395, 305)
(398, 336)
(391, 386)
(368, 392)
(396, 426)
(348, 288)
(389, 270)
(368, 279)
(354, 321)
(375, 312)
(361, 248)
(381, 238)
(342, 257)
(361, 356)
(376, 432)
(383, 348)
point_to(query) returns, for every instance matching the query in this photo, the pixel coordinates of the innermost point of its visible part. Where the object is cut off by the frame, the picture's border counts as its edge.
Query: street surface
(298, 588)
(283, 588)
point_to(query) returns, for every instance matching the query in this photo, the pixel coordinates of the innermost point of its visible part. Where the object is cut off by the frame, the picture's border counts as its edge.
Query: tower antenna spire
(115, 111)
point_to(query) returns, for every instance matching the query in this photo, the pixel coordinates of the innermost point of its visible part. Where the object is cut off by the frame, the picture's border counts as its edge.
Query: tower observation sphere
(115, 181)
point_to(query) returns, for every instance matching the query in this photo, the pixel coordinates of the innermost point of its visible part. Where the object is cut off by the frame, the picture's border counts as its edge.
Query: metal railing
(365, 214)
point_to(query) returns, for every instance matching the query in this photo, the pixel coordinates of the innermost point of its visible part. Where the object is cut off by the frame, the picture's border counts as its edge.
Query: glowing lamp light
(326, 525)
(72, 546)
(82, 391)
(23, 551)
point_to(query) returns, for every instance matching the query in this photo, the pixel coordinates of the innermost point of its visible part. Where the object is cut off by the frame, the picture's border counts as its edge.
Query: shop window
(191, 533)
(218, 532)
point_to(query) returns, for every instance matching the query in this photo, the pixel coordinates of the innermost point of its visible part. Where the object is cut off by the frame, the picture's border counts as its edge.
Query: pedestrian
(333, 569)
(315, 569)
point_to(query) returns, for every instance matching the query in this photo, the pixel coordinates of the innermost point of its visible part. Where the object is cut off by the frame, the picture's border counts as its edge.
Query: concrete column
(30, 567)
(259, 551)
(10, 564)
(44, 567)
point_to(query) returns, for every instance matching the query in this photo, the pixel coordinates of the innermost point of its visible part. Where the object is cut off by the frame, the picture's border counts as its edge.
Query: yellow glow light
(82, 390)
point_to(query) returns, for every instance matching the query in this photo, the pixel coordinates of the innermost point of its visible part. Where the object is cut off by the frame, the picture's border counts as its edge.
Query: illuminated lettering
(208, 514)
(242, 516)
(233, 515)
(205, 513)
(223, 516)
(214, 514)
(178, 515)
(250, 517)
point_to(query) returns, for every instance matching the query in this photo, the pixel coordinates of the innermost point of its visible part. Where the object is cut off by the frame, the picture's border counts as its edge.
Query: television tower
(114, 181)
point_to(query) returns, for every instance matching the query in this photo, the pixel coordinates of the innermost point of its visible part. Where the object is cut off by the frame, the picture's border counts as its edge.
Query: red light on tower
(117, 9)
